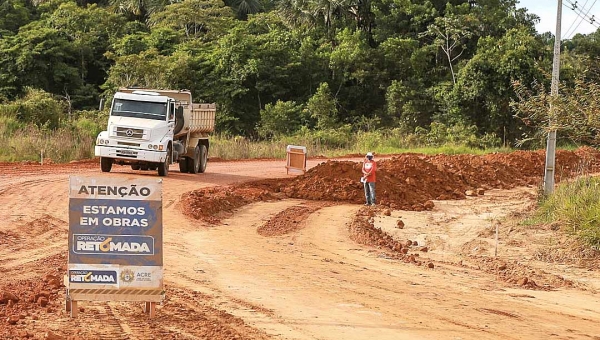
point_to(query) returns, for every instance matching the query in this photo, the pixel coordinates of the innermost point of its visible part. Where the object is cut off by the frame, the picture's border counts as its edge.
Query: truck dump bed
(201, 119)
(198, 118)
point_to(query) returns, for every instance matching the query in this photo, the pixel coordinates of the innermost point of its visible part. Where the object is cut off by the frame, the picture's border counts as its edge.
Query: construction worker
(368, 170)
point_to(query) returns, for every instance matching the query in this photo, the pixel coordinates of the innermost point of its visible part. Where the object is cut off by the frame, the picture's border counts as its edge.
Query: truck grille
(127, 153)
(129, 132)
(137, 145)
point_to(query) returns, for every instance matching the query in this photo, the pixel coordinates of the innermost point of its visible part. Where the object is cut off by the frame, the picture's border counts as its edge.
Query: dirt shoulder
(286, 267)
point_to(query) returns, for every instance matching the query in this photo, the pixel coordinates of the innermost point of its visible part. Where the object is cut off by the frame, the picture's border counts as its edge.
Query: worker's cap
(369, 154)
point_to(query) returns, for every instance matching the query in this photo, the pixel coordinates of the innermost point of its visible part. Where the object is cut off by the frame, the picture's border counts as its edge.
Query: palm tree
(243, 8)
(140, 9)
(296, 13)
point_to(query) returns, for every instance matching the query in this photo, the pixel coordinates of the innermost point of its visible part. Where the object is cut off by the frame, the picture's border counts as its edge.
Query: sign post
(296, 159)
(115, 241)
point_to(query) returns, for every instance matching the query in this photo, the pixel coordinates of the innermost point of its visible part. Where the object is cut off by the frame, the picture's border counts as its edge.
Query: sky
(546, 10)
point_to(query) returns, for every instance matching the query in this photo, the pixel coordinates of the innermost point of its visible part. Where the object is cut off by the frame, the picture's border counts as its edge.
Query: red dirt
(519, 274)
(363, 231)
(407, 181)
(36, 299)
(288, 220)
(210, 205)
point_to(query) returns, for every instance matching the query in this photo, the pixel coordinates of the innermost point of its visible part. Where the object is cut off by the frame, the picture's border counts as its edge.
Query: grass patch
(74, 139)
(26, 141)
(340, 142)
(575, 205)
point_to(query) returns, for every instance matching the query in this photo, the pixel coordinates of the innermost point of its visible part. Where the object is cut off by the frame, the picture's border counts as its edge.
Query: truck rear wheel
(135, 167)
(194, 163)
(163, 168)
(183, 165)
(106, 164)
(203, 158)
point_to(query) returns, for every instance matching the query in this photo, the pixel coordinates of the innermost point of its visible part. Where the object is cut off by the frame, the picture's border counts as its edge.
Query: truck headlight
(150, 146)
(156, 147)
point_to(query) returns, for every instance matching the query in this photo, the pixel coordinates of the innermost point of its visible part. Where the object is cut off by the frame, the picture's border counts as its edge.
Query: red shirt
(369, 168)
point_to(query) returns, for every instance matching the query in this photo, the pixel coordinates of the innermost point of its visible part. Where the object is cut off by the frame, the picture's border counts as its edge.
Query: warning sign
(115, 239)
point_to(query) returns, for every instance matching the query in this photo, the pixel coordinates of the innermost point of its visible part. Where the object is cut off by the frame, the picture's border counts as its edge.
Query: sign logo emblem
(127, 275)
(129, 132)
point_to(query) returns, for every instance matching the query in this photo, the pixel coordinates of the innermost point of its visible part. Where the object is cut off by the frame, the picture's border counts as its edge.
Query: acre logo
(127, 275)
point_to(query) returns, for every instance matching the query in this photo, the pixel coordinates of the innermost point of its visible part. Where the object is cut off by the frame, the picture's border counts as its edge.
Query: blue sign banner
(115, 222)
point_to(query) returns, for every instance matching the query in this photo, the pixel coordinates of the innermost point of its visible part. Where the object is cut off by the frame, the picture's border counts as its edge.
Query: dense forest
(278, 67)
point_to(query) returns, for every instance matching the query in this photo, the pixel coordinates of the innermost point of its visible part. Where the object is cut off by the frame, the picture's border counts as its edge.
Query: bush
(9, 125)
(576, 205)
(37, 107)
(281, 118)
(459, 134)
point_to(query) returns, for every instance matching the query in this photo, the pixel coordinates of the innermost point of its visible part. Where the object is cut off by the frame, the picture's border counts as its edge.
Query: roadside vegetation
(338, 77)
(74, 139)
(575, 207)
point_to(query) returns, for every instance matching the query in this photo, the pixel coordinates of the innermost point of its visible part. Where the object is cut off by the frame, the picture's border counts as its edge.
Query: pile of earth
(517, 273)
(362, 230)
(25, 303)
(210, 205)
(289, 220)
(407, 181)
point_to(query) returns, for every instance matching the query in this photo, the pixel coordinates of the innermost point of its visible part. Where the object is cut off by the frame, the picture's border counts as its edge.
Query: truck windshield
(139, 109)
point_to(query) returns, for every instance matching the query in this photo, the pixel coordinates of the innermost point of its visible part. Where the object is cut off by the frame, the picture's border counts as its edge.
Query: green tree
(37, 107)
(484, 87)
(243, 8)
(139, 9)
(322, 107)
(450, 34)
(281, 118)
(38, 56)
(14, 14)
(197, 19)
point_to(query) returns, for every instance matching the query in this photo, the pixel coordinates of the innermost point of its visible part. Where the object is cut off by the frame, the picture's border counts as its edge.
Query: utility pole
(551, 144)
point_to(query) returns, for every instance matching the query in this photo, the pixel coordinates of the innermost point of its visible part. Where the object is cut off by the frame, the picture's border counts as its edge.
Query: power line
(573, 23)
(586, 17)
(581, 15)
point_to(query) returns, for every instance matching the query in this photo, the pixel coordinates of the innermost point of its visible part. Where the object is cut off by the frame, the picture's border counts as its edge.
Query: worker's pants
(370, 192)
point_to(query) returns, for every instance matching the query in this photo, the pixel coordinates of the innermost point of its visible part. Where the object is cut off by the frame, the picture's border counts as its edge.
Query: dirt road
(228, 281)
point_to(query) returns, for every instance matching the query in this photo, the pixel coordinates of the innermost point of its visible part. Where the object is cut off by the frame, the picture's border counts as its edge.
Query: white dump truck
(150, 129)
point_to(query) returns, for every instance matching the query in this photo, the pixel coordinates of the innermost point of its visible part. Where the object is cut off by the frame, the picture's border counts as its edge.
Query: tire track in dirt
(328, 261)
(36, 198)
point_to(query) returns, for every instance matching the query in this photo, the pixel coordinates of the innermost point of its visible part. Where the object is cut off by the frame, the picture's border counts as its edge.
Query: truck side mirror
(101, 107)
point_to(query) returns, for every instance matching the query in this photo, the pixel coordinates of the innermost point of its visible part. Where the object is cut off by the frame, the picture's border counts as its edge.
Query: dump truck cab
(150, 129)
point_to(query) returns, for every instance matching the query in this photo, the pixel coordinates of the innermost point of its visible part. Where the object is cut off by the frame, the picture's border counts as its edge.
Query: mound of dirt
(363, 231)
(210, 205)
(406, 182)
(517, 273)
(26, 300)
(288, 220)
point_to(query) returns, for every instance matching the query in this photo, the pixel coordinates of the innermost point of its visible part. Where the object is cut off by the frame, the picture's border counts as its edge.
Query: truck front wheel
(106, 164)
(163, 168)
